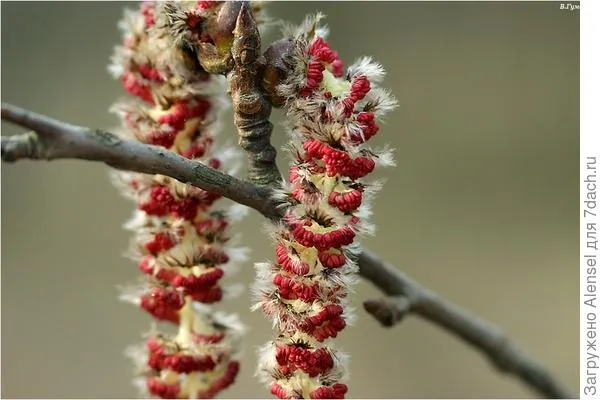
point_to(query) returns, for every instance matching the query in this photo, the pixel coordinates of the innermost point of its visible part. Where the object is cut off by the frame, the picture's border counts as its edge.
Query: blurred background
(482, 206)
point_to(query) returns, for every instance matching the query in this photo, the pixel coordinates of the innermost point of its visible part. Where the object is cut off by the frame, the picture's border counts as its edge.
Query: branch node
(26, 145)
(388, 311)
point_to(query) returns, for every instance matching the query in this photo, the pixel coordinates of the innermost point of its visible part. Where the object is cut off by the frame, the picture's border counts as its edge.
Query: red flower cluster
(181, 238)
(306, 292)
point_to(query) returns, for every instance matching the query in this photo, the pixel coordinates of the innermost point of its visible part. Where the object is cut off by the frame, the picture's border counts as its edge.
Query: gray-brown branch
(251, 110)
(53, 139)
(408, 297)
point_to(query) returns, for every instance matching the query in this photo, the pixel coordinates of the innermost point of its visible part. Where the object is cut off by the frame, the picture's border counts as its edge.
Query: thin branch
(55, 139)
(409, 297)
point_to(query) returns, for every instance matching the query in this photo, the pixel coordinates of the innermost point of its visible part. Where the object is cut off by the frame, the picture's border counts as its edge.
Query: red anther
(360, 87)
(334, 158)
(185, 364)
(348, 105)
(181, 111)
(340, 390)
(164, 305)
(176, 116)
(216, 338)
(282, 355)
(332, 258)
(336, 391)
(156, 355)
(315, 362)
(195, 283)
(160, 203)
(306, 293)
(194, 151)
(286, 262)
(325, 324)
(321, 51)
(207, 296)
(346, 202)
(328, 329)
(163, 139)
(337, 68)
(339, 162)
(153, 345)
(333, 310)
(342, 236)
(147, 9)
(222, 383)
(291, 290)
(162, 389)
(212, 226)
(360, 167)
(136, 88)
(192, 20)
(314, 76)
(214, 163)
(293, 175)
(210, 198)
(354, 220)
(279, 391)
(204, 4)
(186, 209)
(368, 126)
(297, 194)
(305, 92)
(160, 242)
(166, 274)
(314, 149)
(146, 265)
(149, 73)
(282, 281)
(199, 109)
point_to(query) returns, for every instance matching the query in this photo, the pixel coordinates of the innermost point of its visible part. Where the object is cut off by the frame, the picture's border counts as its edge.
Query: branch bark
(54, 139)
(251, 111)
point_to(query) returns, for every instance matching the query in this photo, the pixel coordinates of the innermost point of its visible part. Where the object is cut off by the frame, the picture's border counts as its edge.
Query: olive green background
(482, 206)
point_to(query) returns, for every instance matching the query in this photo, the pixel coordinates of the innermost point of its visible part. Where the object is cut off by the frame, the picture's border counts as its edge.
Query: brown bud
(246, 42)
(221, 31)
(276, 69)
(226, 36)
